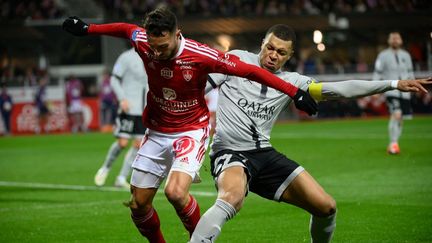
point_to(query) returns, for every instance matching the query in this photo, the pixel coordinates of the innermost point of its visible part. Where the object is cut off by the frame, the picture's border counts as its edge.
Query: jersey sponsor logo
(226, 60)
(185, 67)
(183, 146)
(166, 73)
(203, 118)
(181, 62)
(169, 94)
(255, 109)
(187, 75)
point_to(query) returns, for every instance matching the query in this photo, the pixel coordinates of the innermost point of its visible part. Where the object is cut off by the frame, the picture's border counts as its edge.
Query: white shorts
(75, 106)
(161, 153)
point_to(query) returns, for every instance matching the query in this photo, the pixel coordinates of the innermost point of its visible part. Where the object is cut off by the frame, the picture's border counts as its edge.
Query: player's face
(395, 40)
(275, 52)
(164, 47)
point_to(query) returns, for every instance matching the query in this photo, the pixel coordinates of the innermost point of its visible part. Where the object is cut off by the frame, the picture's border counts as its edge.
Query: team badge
(169, 94)
(187, 75)
(183, 146)
(166, 73)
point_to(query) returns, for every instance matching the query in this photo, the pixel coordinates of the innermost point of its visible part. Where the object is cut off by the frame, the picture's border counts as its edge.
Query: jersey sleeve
(232, 65)
(122, 30)
(348, 89)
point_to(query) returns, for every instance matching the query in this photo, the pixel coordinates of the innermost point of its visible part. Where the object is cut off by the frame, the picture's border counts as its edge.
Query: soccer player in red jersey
(176, 114)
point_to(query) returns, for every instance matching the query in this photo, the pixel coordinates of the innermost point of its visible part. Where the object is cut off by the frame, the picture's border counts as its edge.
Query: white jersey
(129, 81)
(394, 65)
(247, 110)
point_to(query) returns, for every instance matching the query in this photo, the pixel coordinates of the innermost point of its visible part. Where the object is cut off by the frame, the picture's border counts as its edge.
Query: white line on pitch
(81, 188)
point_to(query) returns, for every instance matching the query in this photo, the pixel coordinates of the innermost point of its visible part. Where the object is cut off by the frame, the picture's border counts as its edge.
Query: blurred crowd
(131, 9)
(137, 8)
(30, 9)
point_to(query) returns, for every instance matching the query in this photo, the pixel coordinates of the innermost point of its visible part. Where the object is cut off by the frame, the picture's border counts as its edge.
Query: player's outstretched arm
(361, 88)
(77, 27)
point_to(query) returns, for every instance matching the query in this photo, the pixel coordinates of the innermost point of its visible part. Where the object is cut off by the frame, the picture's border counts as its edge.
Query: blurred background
(337, 40)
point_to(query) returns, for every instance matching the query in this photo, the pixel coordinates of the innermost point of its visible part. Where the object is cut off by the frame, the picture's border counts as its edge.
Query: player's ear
(178, 32)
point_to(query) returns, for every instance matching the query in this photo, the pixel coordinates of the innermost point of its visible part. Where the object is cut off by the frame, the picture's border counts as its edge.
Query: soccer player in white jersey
(395, 63)
(129, 82)
(242, 158)
(176, 114)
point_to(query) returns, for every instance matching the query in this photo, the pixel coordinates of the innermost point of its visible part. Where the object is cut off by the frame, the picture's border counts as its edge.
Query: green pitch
(47, 192)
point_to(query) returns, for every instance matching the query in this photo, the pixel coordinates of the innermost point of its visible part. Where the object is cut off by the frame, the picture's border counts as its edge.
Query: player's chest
(175, 73)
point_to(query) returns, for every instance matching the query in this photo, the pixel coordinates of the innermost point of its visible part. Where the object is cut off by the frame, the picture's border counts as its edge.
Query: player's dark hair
(160, 20)
(283, 32)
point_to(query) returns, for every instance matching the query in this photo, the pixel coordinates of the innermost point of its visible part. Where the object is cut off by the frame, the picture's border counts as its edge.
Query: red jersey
(175, 101)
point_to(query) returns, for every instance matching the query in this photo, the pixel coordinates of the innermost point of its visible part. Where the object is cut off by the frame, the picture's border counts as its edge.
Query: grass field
(47, 192)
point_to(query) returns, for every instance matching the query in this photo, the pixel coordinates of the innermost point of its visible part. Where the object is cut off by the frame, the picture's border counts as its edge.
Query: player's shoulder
(199, 49)
(405, 52)
(242, 53)
(245, 56)
(296, 78)
(138, 33)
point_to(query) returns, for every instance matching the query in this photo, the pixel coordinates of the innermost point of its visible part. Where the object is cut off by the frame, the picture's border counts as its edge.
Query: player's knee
(234, 197)
(327, 208)
(139, 207)
(122, 142)
(175, 195)
(397, 115)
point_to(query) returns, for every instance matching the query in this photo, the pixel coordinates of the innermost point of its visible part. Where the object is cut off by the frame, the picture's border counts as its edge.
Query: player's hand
(414, 85)
(124, 105)
(75, 26)
(304, 101)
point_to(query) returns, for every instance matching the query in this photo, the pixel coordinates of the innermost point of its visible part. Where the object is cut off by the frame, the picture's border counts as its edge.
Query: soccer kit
(176, 113)
(129, 81)
(391, 64)
(246, 114)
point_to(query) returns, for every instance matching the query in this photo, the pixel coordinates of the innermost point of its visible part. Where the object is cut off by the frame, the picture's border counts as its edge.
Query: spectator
(42, 105)
(108, 103)
(6, 108)
(75, 106)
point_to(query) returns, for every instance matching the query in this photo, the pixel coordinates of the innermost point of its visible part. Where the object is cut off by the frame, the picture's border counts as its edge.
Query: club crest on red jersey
(187, 75)
(169, 94)
(183, 146)
(166, 73)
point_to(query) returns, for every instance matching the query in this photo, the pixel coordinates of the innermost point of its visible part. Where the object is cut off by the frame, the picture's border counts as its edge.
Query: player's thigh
(231, 176)
(188, 151)
(271, 172)
(305, 192)
(232, 186)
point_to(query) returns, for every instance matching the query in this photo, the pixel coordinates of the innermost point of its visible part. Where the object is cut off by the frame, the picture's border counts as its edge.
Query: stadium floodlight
(317, 36)
(224, 41)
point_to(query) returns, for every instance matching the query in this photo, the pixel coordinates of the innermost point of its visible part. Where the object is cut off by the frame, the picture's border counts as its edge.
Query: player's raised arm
(360, 88)
(77, 27)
